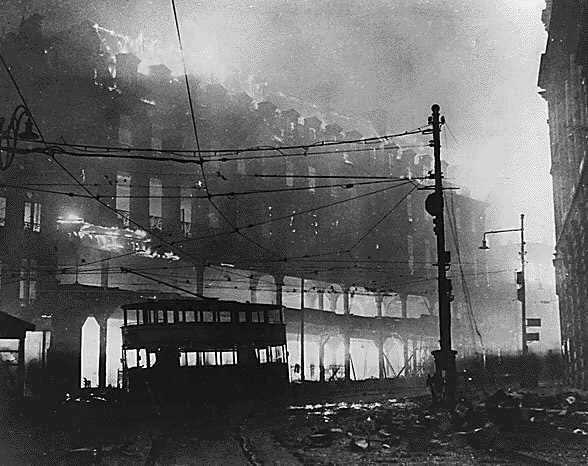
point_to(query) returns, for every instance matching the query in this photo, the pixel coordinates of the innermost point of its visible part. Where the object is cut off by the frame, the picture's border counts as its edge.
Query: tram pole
(523, 298)
(302, 377)
(445, 370)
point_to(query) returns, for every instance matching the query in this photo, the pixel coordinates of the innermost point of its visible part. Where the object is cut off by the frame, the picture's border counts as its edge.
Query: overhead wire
(257, 224)
(222, 194)
(215, 152)
(465, 287)
(383, 218)
(202, 170)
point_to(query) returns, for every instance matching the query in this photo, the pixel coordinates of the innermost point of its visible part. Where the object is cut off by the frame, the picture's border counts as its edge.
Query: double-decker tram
(182, 348)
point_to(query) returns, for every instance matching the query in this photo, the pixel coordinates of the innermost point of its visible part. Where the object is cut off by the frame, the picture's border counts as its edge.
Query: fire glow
(113, 239)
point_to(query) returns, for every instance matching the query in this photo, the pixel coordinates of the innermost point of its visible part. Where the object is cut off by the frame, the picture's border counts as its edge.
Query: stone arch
(90, 352)
(364, 358)
(227, 283)
(113, 348)
(362, 302)
(314, 294)
(291, 292)
(333, 293)
(394, 355)
(262, 288)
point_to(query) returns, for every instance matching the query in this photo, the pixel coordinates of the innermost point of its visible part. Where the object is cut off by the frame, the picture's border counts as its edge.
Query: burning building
(122, 201)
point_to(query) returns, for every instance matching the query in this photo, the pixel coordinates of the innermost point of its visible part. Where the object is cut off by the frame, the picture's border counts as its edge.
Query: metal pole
(302, 377)
(445, 370)
(523, 284)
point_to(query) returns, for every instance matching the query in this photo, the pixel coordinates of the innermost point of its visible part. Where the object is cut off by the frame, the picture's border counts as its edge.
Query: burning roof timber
(117, 61)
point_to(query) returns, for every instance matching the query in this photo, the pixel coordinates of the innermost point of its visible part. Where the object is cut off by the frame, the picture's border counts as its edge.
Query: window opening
(155, 204)
(123, 197)
(32, 216)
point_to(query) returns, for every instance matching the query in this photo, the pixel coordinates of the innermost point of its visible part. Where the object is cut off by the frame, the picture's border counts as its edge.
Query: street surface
(505, 428)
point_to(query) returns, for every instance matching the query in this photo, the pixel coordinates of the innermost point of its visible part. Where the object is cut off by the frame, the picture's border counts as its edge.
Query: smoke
(478, 59)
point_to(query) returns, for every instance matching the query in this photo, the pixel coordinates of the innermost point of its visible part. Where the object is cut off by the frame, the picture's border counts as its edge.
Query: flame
(113, 239)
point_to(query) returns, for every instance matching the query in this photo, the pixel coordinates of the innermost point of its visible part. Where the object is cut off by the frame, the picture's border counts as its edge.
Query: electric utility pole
(445, 370)
(521, 292)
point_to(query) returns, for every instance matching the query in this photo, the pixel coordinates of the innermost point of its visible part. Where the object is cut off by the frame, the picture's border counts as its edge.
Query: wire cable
(383, 218)
(465, 287)
(203, 172)
(237, 151)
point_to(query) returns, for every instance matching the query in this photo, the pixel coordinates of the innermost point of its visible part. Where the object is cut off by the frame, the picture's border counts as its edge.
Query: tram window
(261, 355)
(152, 359)
(190, 316)
(160, 316)
(273, 316)
(131, 356)
(183, 359)
(139, 317)
(257, 316)
(242, 316)
(131, 320)
(142, 358)
(276, 353)
(228, 357)
(170, 317)
(152, 315)
(191, 358)
(180, 316)
(224, 316)
(207, 316)
(210, 358)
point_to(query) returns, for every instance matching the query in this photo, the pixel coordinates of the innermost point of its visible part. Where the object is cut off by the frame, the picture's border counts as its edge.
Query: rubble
(506, 427)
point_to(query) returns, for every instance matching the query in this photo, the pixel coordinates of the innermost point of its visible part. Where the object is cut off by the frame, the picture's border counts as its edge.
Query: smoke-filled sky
(478, 59)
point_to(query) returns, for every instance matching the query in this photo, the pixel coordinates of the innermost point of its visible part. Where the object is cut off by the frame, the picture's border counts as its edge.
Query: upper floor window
(32, 216)
(213, 217)
(267, 224)
(155, 203)
(312, 179)
(410, 248)
(241, 167)
(315, 224)
(409, 207)
(186, 211)
(28, 281)
(123, 197)
(156, 138)
(2, 211)
(125, 135)
(289, 173)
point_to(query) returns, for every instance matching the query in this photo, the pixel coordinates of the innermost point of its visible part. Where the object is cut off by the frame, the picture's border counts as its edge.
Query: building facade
(563, 79)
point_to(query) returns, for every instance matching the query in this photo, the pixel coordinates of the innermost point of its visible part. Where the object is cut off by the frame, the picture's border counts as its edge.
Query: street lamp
(10, 136)
(520, 277)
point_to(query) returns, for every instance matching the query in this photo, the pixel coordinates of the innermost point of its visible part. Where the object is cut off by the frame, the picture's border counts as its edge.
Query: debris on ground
(506, 427)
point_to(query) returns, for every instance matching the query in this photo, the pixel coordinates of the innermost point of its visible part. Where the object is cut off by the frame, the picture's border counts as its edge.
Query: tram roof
(196, 303)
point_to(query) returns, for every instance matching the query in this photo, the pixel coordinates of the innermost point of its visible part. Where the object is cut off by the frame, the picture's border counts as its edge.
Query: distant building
(563, 77)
